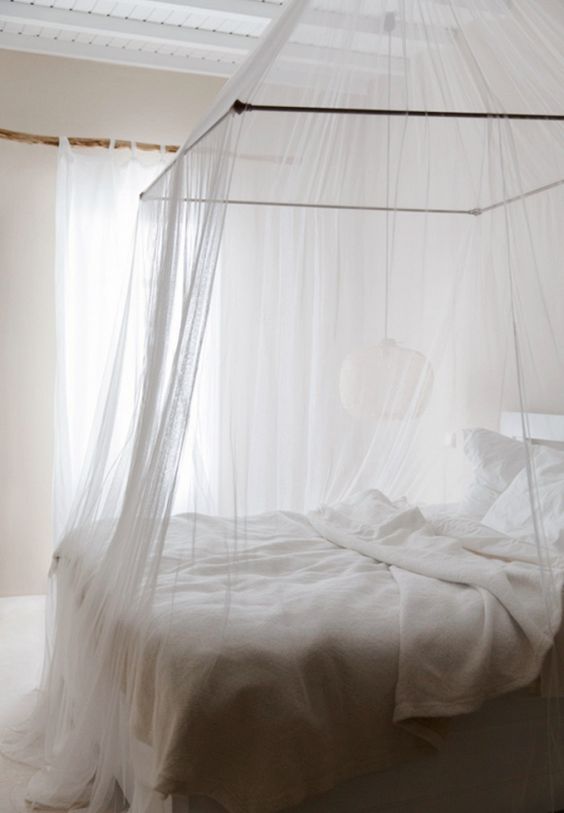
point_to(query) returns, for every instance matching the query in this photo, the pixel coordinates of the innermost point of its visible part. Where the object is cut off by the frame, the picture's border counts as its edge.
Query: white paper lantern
(385, 380)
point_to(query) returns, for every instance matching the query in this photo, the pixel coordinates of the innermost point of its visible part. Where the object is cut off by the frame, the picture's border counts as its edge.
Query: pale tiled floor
(22, 620)
(21, 654)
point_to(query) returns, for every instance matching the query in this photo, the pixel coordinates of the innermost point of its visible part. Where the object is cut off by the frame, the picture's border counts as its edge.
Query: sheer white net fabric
(279, 242)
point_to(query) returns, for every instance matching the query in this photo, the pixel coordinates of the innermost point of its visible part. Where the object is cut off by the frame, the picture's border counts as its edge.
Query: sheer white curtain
(97, 199)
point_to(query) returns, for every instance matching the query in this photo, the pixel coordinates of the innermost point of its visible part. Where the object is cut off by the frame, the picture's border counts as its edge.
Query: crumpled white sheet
(297, 644)
(477, 613)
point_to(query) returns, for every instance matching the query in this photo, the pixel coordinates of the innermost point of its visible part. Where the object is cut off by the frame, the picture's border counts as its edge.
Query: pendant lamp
(385, 380)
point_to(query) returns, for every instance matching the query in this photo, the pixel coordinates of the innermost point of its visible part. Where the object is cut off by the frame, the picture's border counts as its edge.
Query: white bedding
(473, 622)
(349, 634)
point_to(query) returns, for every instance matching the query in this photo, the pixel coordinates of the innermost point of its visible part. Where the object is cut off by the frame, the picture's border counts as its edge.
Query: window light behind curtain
(97, 199)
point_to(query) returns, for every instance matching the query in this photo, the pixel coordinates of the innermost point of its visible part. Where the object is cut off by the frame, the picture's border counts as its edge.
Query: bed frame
(467, 776)
(543, 428)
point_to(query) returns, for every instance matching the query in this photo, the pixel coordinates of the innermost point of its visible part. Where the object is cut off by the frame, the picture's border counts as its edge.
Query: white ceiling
(204, 36)
(196, 36)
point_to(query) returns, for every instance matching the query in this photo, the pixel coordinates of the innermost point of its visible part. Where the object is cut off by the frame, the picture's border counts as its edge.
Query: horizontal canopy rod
(335, 206)
(351, 207)
(514, 199)
(246, 107)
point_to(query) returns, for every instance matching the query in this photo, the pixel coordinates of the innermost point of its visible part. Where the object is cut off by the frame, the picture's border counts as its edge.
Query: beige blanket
(319, 648)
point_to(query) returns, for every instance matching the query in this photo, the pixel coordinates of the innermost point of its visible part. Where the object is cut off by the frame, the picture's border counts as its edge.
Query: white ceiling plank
(224, 8)
(493, 7)
(271, 11)
(121, 56)
(369, 23)
(80, 21)
(237, 46)
(374, 24)
(217, 34)
(355, 60)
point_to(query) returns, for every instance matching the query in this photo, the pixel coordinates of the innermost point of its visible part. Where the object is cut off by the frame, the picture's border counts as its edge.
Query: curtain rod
(247, 107)
(77, 141)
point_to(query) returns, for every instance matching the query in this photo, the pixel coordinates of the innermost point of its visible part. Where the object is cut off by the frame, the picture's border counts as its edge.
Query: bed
(330, 688)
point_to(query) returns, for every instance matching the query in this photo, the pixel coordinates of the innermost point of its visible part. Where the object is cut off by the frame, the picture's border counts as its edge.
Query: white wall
(53, 96)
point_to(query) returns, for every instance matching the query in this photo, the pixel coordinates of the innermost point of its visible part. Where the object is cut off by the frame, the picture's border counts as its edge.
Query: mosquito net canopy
(355, 260)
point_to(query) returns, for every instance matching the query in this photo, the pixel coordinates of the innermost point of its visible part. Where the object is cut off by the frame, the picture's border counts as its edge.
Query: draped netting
(355, 256)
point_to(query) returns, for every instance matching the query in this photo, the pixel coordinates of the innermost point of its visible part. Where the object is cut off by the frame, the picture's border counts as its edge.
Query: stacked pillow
(511, 513)
(499, 496)
(496, 460)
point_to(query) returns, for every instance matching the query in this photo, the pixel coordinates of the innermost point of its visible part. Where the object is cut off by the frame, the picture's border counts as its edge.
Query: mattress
(293, 691)
(495, 761)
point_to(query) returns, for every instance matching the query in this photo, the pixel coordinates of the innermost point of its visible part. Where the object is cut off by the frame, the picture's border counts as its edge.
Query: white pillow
(477, 500)
(511, 513)
(496, 460)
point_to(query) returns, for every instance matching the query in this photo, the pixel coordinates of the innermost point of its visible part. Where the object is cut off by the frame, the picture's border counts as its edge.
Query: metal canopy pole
(344, 207)
(240, 107)
(247, 107)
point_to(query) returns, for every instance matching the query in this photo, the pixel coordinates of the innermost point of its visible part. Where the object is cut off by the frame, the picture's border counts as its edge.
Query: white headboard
(545, 429)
